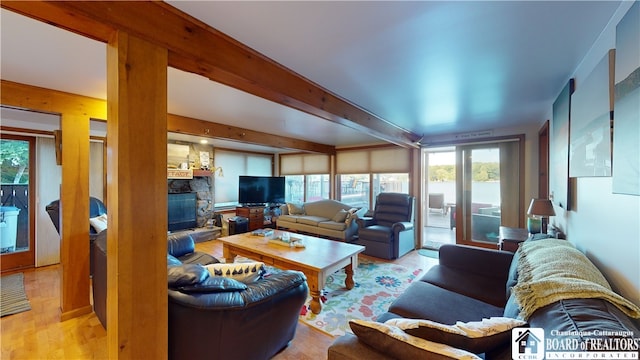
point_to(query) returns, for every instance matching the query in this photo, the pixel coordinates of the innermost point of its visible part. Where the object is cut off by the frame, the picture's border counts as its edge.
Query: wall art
(626, 134)
(591, 120)
(559, 148)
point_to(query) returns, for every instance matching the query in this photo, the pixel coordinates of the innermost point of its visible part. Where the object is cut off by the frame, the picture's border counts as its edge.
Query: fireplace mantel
(187, 174)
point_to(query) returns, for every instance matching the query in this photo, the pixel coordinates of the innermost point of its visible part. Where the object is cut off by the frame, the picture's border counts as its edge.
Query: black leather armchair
(96, 208)
(389, 234)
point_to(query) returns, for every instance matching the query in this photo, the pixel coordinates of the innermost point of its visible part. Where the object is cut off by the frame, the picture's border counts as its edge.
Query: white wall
(48, 190)
(605, 226)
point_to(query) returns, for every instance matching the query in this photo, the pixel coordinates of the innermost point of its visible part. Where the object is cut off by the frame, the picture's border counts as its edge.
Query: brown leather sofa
(473, 283)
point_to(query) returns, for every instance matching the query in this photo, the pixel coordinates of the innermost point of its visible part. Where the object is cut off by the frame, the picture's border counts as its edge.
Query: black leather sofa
(181, 247)
(215, 317)
(473, 283)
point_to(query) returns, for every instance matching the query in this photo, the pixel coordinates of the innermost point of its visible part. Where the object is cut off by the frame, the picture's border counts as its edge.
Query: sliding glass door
(17, 211)
(489, 189)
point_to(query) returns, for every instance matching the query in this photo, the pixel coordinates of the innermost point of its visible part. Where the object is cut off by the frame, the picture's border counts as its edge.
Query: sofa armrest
(402, 226)
(365, 221)
(486, 262)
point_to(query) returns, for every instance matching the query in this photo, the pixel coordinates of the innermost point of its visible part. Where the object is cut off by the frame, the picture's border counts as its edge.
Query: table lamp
(538, 210)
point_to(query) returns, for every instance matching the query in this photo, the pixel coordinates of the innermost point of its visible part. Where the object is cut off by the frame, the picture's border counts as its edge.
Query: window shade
(385, 160)
(304, 164)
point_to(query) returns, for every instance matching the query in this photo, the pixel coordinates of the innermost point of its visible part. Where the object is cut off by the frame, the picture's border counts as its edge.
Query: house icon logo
(527, 344)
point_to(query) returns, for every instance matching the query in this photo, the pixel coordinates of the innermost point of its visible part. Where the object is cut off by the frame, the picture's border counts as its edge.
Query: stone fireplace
(203, 187)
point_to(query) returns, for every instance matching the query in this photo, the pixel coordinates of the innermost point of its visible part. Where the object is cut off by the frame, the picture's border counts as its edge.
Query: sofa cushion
(198, 257)
(400, 345)
(186, 274)
(479, 287)
(214, 284)
(423, 300)
(289, 218)
(246, 272)
(332, 225)
(172, 260)
(295, 209)
(377, 233)
(475, 336)
(311, 220)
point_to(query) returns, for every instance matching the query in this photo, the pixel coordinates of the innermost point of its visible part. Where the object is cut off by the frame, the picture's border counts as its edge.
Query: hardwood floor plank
(39, 334)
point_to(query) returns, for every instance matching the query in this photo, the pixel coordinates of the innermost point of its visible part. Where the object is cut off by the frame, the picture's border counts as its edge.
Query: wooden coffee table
(319, 259)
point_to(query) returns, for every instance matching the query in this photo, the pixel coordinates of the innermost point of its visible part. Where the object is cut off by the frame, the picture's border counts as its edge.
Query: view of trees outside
(14, 162)
(485, 169)
(480, 171)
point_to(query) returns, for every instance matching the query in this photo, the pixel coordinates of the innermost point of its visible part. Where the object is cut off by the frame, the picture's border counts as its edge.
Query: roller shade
(383, 160)
(304, 164)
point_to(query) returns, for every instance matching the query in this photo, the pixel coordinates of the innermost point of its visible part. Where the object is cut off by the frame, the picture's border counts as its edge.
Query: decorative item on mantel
(179, 173)
(538, 210)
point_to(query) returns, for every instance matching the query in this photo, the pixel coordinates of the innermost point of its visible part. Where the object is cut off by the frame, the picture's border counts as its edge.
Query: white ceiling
(432, 67)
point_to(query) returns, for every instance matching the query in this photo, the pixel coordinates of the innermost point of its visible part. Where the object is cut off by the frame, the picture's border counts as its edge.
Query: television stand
(255, 214)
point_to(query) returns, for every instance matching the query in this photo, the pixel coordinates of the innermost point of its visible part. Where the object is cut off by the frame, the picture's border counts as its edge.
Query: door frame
(25, 259)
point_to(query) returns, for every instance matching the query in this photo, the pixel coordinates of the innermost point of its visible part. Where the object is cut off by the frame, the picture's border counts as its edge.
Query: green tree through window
(14, 162)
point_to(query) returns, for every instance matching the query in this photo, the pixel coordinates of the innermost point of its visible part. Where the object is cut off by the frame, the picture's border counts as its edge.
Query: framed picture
(591, 120)
(559, 148)
(626, 135)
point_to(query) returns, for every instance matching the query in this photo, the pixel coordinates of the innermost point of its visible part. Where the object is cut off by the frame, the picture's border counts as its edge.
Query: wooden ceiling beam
(185, 125)
(51, 101)
(198, 48)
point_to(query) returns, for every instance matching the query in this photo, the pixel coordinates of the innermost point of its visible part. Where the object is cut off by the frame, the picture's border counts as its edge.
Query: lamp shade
(541, 207)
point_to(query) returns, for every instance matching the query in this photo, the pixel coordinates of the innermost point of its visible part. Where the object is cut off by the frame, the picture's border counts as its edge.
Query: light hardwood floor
(39, 334)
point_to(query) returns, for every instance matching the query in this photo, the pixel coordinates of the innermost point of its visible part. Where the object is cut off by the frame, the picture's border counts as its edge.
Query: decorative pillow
(351, 216)
(391, 340)
(247, 272)
(214, 284)
(340, 216)
(99, 223)
(474, 336)
(186, 274)
(295, 209)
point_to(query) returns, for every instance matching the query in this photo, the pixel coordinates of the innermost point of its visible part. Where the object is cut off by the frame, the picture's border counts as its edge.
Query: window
(354, 190)
(398, 183)
(364, 173)
(234, 164)
(301, 188)
(294, 191)
(307, 176)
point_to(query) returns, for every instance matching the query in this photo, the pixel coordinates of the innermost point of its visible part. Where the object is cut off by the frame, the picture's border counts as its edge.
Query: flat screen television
(260, 190)
(182, 211)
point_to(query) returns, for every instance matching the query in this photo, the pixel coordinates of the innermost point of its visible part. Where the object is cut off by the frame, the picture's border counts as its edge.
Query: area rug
(13, 299)
(429, 253)
(378, 284)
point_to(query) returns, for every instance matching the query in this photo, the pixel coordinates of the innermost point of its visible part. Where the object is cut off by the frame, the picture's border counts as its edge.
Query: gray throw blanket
(550, 270)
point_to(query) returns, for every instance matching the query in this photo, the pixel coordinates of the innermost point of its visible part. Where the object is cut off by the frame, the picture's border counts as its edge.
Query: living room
(594, 201)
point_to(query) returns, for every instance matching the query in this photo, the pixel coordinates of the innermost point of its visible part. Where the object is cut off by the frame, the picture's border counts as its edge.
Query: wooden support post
(74, 224)
(137, 198)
